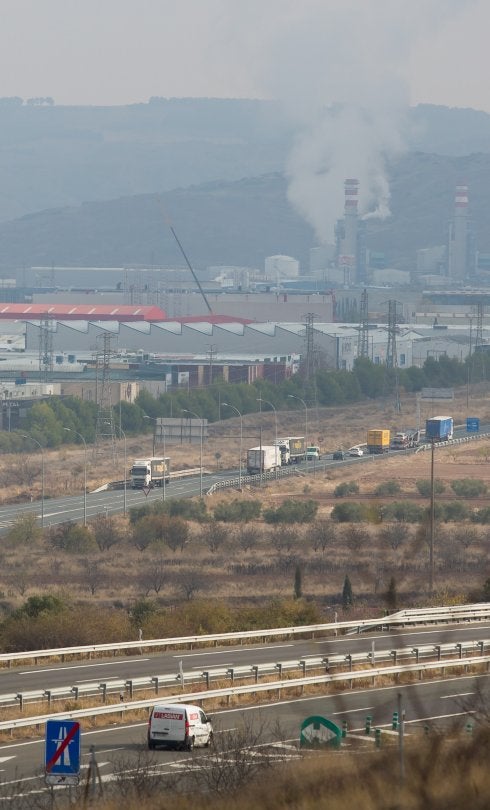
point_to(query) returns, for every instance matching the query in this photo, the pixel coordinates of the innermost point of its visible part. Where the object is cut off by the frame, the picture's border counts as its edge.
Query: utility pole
(391, 349)
(211, 357)
(105, 429)
(363, 338)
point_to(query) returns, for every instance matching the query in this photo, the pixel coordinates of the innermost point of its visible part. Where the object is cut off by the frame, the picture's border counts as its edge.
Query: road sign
(62, 752)
(318, 731)
(437, 393)
(472, 424)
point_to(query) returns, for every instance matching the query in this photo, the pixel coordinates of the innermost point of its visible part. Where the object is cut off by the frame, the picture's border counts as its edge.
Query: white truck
(147, 473)
(263, 459)
(293, 449)
(179, 725)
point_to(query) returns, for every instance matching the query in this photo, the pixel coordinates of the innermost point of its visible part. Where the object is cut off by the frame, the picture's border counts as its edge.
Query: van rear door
(168, 724)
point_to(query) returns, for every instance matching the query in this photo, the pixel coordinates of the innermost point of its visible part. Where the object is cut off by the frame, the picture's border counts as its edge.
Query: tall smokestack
(458, 252)
(348, 242)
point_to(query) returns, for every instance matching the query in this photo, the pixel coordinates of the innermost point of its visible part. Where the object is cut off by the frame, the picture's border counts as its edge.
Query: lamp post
(154, 418)
(185, 410)
(227, 405)
(266, 402)
(431, 519)
(121, 431)
(293, 396)
(70, 430)
(42, 474)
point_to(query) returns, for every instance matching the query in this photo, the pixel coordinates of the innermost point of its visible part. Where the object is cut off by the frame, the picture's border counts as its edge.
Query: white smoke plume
(341, 68)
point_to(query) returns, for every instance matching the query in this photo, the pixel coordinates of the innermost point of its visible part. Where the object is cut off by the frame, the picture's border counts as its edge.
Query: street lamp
(185, 410)
(70, 430)
(266, 402)
(292, 396)
(42, 474)
(121, 431)
(431, 519)
(155, 419)
(227, 405)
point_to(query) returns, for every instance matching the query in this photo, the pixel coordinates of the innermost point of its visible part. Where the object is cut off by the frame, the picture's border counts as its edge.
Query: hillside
(54, 156)
(241, 222)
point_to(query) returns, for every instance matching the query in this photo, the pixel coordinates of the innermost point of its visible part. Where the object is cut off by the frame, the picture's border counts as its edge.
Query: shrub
(455, 511)
(423, 486)
(481, 515)
(387, 488)
(469, 487)
(403, 511)
(73, 537)
(346, 488)
(24, 531)
(238, 511)
(292, 512)
(348, 512)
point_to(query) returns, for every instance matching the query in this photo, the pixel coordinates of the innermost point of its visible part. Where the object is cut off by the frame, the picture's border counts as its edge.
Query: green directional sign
(317, 732)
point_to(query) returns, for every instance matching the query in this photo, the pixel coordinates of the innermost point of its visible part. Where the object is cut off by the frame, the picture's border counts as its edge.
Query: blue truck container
(439, 428)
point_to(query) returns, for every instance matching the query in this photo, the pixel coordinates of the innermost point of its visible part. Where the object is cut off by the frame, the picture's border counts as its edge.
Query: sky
(124, 51)
(344, 71)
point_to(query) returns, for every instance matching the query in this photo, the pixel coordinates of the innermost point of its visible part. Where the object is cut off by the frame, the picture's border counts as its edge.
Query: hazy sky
(123, 51)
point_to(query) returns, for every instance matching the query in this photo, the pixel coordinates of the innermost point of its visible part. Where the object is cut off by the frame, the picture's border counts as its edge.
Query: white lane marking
(351, 711)
(6, 759)
(228, 652)
(460, 694)
(223, 665)
(401, 635)
(83, 666)
(106, 751)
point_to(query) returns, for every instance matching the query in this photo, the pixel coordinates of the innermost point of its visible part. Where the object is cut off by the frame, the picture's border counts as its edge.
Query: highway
(57, 674)
(442, 704)
(59, 510)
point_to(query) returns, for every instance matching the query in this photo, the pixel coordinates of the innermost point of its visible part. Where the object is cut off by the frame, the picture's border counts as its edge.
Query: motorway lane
(442, 704)
(57, 674)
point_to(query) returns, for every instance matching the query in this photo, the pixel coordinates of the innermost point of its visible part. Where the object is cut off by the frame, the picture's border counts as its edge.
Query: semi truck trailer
(293, 449)
(147, 473)
(378, 441)
(263, 459)
(439, 428)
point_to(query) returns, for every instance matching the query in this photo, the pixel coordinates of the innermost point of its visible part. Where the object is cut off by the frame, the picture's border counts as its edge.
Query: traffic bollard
(469, 728)
(345, 728)
(394, 722)
(426, 729)
(377, 737)
(368, 724)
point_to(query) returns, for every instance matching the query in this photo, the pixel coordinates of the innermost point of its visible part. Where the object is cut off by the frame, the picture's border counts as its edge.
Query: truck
(147, 473)
(263, 459)
(405, 440)
(439, 428)
(313, 453)
(293, 449)
(378, 440)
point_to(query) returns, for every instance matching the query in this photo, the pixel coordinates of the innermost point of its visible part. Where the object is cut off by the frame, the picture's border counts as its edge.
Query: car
(339, 455)
(356, 451)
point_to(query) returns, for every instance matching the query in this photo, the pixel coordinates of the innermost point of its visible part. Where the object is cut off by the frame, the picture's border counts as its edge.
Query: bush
(292, 512)
(403, 511)
(387, 488)
(469, 487)
(481, 515)
(346, 488)
(238, 511)
(455, 511)
(423, 486)
(72, 537)
(348, 512)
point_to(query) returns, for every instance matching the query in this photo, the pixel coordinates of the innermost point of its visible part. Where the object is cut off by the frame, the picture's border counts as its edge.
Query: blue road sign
(62, 753)
(472, 424)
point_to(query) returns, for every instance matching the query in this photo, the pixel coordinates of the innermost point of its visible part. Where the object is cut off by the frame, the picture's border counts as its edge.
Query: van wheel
(152, 745)
(190, 744)
(210, 740)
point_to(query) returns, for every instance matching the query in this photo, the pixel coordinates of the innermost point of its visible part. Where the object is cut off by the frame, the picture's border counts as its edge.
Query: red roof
(81, 312)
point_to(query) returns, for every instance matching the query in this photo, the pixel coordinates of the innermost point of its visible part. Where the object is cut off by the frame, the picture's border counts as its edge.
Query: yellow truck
(378, 441)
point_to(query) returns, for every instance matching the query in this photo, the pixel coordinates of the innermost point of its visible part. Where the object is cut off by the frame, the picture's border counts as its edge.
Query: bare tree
(247, 537)
(105, 532)
(154, 577)
(355, 537)
(92, 576)
(394, 535)
(321, 534)
(190, 583)
(214, 535)
(284, 539)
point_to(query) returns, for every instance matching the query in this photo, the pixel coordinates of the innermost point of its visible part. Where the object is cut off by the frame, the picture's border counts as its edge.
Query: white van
(179, 726)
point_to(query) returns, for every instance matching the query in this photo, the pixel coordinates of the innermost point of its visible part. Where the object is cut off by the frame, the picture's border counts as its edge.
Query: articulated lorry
(405, 440)
(293, 449)
(263, 459)
(147, 473)
(439, 428)
(378, 441)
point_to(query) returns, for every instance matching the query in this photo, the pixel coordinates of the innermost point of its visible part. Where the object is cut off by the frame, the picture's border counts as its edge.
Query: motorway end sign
(62, 752)
(472, 424)
(318, 731)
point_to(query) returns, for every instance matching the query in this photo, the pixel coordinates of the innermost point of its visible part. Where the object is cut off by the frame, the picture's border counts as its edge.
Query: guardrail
(275, 686)
(242, 672)
(255, 480)
(454, 613)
